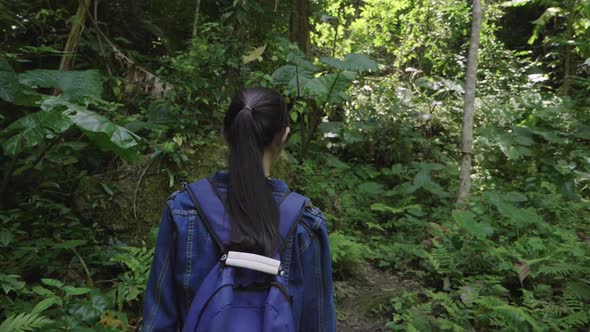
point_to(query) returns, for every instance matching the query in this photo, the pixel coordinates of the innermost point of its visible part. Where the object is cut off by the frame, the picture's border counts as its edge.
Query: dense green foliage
(376, 117)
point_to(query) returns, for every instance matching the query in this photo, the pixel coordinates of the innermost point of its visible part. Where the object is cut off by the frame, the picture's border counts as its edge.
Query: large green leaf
(424, 180)
(45, 304)
(403, 189)
(582, 132)
(293, 77)
(352, 62)
(90, 311)
(300, 61)
(435, 188)
(520, 216)
(105, 134)
(91, 122)
(509, 145)
(392, 210)
(466, 220)
(33, 129)
(284, 74)
(9, 85)
(52, 282)
(28, 97)
(330, 87)
(317, 87)
(101, 131)
(85, 83)
(372, 188)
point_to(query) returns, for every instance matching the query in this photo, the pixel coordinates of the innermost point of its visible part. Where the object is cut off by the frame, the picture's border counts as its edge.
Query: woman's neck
(267, 162)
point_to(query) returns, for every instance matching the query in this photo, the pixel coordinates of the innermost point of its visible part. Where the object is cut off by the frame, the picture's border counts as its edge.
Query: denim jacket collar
(221, 178)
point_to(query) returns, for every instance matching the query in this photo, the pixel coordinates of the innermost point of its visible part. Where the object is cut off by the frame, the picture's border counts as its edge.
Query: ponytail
(249, 129)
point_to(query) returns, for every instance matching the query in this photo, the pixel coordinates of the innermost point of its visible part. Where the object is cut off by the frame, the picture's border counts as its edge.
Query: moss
(109, 200)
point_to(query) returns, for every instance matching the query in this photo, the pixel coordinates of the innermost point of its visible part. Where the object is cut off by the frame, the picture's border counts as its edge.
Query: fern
(441, 259)
(132, 283)
(458, 316)
(24, 322)
(574, 305)
(347, 253)
(579, 319)
(504, 314)
(549, 311)
(418, 316)
(562, 269)
(578, 290)
(138, 260)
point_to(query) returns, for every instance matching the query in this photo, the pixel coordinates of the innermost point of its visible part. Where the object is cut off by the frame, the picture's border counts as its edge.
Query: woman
(255, 127)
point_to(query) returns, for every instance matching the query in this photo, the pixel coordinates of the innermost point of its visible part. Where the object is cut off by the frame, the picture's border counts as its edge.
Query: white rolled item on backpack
(253, 262)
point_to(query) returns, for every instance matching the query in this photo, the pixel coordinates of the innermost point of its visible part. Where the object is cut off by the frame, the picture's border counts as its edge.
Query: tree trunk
(78, 22)
(314, 118)
(468, 105)
(299, 25)
(196, 20)
(568, 69)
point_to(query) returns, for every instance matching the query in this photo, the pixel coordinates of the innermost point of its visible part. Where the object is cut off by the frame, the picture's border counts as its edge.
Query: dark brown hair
(256, 119)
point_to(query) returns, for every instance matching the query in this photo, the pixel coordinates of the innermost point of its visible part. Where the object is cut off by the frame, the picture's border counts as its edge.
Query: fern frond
(24, 322)
(574, 305)
(579, 318)
(417, 317)
(504, 314)
(138, 260)
(441, 259)
(562, 269)
(577, 290)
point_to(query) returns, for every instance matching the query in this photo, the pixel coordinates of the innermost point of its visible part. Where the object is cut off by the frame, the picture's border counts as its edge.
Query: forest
(446, 141)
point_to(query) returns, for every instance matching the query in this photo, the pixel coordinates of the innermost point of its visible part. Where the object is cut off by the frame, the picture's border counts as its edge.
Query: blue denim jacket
(185, 253)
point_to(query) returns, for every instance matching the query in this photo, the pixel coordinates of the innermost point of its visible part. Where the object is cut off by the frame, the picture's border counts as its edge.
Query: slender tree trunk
(299, 25)
(77, 27)
(468, 105)
(314, 118)
(568, 69)
(196, 20)
(567, 72)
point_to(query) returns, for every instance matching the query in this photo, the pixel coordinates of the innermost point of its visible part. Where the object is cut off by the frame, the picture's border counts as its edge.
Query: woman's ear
(285, 135)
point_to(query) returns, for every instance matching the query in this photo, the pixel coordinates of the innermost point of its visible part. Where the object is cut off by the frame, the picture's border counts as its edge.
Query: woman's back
(186, 252)
(189, 263)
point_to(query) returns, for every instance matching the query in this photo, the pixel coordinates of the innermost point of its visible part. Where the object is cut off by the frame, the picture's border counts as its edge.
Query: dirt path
(362, 304)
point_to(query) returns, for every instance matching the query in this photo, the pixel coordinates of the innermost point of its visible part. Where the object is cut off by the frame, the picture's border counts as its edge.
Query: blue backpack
(243, 292)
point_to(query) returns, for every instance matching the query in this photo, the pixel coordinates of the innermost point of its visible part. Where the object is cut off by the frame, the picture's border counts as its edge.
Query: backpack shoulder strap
(212, 211)
(291, 209)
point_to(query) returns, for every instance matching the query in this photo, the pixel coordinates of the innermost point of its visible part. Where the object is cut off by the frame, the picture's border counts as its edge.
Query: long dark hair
(256, 119)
